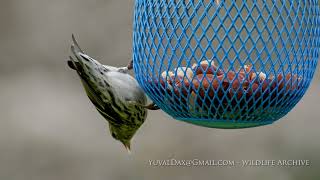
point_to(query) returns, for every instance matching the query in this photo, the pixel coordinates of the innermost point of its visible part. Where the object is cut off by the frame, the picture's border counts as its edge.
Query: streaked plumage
(115, 94)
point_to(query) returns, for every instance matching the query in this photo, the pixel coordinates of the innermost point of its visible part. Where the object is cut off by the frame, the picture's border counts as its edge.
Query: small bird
(116, 94)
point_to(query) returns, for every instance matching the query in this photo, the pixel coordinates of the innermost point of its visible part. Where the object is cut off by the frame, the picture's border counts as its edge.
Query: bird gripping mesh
(226, 64)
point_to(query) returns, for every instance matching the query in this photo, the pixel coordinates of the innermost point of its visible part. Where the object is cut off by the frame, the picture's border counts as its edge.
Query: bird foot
(123, 70)
(127, 68)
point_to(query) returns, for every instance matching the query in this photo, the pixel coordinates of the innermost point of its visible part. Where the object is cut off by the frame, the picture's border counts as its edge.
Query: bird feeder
(226, 64)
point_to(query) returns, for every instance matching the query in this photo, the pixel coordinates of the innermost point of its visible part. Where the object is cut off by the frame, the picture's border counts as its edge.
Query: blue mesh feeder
(226, 64)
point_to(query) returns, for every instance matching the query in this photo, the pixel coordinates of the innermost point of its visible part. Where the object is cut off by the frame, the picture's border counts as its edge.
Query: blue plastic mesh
(278, 38)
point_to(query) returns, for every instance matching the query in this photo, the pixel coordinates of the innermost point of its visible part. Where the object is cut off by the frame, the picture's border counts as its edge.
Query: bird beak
(127, 146)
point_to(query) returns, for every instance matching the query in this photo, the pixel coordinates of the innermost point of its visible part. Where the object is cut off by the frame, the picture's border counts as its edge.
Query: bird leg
(151, 106)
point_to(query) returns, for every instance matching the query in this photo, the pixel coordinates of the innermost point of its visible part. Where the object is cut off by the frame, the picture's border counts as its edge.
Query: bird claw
(127, 68)
(130, 65)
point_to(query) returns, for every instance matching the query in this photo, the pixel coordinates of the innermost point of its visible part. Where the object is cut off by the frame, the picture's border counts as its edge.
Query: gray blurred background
(50, 131)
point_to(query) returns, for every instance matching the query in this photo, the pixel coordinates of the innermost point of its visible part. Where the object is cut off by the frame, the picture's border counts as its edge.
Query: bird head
(123, 133)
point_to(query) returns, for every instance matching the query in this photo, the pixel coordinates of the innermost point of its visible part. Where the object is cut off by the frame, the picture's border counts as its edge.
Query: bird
(114, 92)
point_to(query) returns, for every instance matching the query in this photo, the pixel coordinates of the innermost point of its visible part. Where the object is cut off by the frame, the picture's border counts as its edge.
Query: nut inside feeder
(211, 87)
(228, 64)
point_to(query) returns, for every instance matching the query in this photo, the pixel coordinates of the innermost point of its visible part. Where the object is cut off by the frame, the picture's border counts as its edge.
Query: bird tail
(83, 63)
(90, 73)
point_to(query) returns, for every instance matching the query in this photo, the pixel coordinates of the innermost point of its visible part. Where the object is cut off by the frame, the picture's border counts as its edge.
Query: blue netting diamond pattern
(226, 64)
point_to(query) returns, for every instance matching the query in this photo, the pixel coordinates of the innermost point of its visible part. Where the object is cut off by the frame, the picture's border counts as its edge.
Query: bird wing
(92, 75)
(100, 106)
